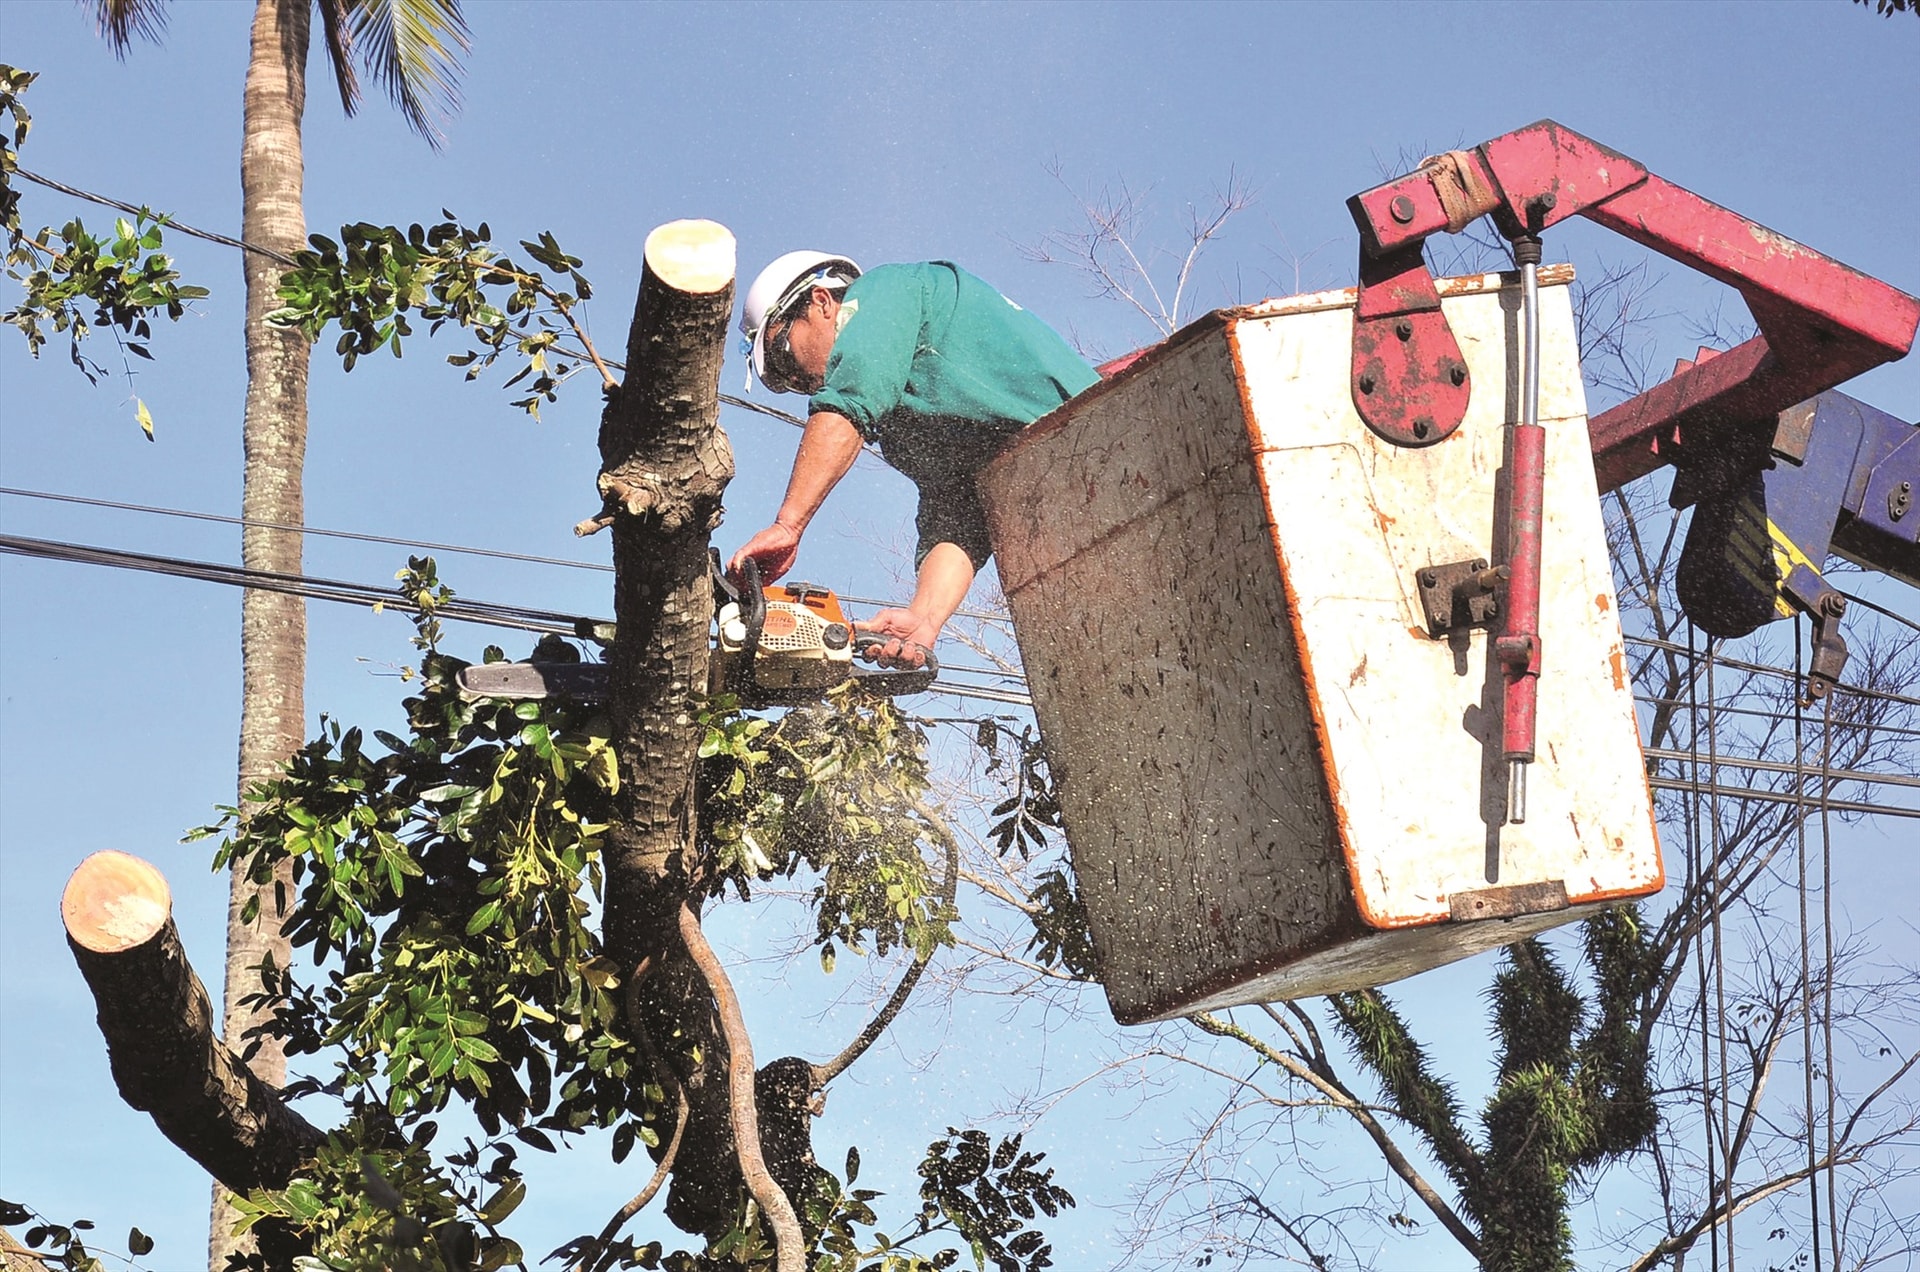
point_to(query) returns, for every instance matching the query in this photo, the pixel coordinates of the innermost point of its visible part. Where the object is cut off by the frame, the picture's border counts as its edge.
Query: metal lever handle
(898, 681)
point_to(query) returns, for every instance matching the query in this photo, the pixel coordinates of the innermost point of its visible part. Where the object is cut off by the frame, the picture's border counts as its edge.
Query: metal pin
(1517, 792)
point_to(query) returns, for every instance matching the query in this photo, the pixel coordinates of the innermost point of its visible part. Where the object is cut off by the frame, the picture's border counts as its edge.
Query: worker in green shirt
(929, 363)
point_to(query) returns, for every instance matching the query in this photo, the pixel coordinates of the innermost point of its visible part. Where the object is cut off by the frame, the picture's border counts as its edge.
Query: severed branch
(158, 1023)
(825, 1073)
(787, 1237)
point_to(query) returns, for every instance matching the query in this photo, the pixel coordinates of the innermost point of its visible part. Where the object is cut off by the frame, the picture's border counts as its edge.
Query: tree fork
(158, 1023)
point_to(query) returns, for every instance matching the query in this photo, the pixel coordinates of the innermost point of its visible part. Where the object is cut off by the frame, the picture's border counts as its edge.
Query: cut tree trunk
(158, 1023)
(273, 627)
(664, 466)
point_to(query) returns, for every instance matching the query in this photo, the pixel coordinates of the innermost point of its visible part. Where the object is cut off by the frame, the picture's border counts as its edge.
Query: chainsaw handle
(750, 596)
(905, 680)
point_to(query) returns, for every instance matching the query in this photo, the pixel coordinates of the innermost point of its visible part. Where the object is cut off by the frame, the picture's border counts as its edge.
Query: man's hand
(908, 639)
(773, 550)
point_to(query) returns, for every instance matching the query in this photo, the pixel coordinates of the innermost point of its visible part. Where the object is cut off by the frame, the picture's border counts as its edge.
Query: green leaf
(504, 1202)
(139, 1243)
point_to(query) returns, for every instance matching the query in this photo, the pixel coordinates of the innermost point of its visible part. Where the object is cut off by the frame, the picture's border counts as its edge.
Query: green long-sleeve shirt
(939, 370)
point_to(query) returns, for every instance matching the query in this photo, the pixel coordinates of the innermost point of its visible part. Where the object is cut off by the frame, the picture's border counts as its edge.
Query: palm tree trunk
(273, 628)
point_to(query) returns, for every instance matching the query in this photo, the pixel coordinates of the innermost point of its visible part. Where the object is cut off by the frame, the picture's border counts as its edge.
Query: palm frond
(118, 21)
(415, 48)
(335, 21)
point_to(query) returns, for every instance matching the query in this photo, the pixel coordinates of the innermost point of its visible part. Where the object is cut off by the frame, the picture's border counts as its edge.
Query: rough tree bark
(664, 467)
(158, 1023)
(273, 627)
(273, 639)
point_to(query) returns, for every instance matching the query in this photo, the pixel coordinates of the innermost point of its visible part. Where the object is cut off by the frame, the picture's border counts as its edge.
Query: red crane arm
(1821, 322)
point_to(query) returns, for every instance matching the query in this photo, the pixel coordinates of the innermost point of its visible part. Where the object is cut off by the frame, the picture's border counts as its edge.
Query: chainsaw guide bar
(781, 646)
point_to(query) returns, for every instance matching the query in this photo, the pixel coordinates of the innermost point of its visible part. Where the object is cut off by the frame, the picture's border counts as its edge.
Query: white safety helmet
(774, 292)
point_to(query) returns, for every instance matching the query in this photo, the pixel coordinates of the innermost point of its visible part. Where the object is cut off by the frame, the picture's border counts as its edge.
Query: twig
(825, 1073)
(787, 1237)
(1396, 1160)
(1251, 1200)
(1684, 1240)
(603, 1244)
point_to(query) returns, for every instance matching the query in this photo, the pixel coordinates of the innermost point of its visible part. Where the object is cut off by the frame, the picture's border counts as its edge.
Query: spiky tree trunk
(1573, 1090)
(273, 627)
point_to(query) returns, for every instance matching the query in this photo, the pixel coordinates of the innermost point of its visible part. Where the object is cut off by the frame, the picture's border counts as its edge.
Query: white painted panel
(1413, 724)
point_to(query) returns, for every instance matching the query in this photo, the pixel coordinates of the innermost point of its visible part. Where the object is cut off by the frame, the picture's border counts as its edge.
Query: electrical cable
(282, 259)
(1806, 958)
(1727, 1148)
(538, 620)
(166, 221)
(460, 609)
(1694, 886)
(427, 545)
(314, 531)
(1757, 713)
(1826, 1014)
(1777, 797)
(1780, 766)
(1879, 695)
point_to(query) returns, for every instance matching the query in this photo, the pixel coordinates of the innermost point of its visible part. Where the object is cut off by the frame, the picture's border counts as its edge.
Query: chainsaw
(780, 646)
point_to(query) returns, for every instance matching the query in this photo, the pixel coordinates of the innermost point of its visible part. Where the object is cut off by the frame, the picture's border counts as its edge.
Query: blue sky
(887, 132)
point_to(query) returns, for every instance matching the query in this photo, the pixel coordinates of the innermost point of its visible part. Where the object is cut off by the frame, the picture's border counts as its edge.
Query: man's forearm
(828, 447)
(945, 576)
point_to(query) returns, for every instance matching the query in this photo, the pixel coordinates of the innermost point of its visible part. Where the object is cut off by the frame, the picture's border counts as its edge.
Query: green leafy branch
(441, 883)
(76, 281)
(372, 1200)
(65, 1244)
(442, 888)
(838, 789)
(377, 277)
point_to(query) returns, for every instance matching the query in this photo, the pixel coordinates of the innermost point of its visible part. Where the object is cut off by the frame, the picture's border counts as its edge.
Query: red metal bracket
(1409, 381)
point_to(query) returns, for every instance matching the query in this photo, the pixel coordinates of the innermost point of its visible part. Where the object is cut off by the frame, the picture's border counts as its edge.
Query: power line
(358, 536)
(167, 221)
(527, 617)
(1778, 797)
(1757, 713)
(1799, 770)
(315, 531)
(459, 609)
(487, 612)
(759, 408)
(1763, 669)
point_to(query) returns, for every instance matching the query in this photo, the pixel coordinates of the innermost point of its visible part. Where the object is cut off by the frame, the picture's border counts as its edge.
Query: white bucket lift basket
(1276, 783)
